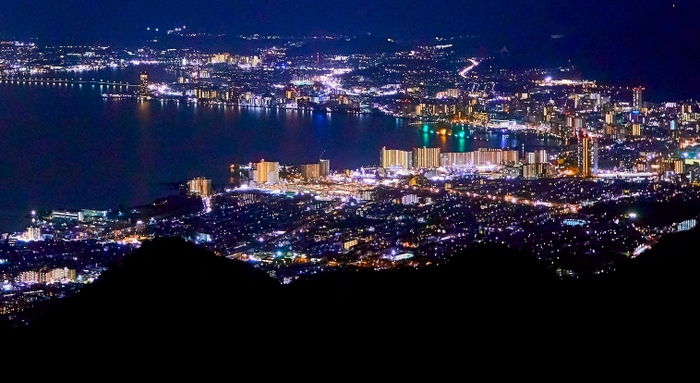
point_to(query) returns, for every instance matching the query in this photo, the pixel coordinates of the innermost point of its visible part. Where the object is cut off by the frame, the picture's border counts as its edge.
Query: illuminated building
(348, 244)
(229, 94)
(31, 277)
(636, 130)
(481, 157)
(366, 195)
(676, 165)
(587, 156)
(205, 93)
(510, 156)
(396, 158)
(610, 118)
(59, 275)
(410, 199)
(310, 171)
(143, 84)
(609, 130)
(67, 215)
(93, 215)
(637, 98)
(426, 157)
(534, 171)
(548, 112)
(44, 276)
(324, 168)
(265, 172)
(33, 233)
(200, 186)
(529, 158)
(541, 156)
(220, 58)
(687, 224)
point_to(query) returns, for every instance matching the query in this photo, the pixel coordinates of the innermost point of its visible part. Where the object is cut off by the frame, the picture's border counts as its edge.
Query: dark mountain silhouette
(162, 287)
(172, 288)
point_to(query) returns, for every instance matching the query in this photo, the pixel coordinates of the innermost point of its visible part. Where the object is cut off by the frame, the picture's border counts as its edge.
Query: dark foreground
(171, 295)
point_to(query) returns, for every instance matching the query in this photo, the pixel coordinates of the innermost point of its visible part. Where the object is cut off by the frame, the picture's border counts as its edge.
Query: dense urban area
(618, 171)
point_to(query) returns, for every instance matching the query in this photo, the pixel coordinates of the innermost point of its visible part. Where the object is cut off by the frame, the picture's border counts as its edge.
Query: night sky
(87, 19)
(635, 42)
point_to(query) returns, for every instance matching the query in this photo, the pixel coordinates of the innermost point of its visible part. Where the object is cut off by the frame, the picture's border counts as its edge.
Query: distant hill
(365, 44)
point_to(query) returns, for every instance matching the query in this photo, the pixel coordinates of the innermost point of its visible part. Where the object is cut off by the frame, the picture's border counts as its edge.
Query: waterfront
(64, 146)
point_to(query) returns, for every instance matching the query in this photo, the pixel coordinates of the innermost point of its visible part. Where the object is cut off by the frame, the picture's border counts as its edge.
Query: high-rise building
(200, 186)
(265, 172)
(636, 130)
(324, 168)
(310, 171)
(541, 156)
(534, 171)
(637, 98)
(396, 159)
(481, 157)
(529, 158)
(676, 165)
(610, 118)
(457, 159)
(33, 233)
(426, 157)
(510, 156)
(587, 156)
(143, 84)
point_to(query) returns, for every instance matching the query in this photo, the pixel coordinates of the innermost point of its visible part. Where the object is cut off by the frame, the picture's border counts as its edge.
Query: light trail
(466, 70)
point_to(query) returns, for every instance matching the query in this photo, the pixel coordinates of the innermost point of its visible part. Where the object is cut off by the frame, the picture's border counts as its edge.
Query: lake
(64, 146)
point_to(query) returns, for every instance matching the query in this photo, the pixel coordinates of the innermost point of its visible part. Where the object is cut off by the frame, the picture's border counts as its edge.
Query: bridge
(67, 81)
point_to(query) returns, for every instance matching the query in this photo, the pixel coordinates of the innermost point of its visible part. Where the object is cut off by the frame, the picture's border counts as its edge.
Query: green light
(461, 134)
(425, 128)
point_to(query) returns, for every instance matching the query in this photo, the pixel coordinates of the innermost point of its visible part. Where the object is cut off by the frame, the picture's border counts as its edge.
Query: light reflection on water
(67, 147)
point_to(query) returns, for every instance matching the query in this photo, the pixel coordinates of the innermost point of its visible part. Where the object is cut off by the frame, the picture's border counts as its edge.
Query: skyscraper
(541, 156)
(310, 171)
(143, 84)
(637, 98)
(587, 156)
(265, 172)
(324, 168)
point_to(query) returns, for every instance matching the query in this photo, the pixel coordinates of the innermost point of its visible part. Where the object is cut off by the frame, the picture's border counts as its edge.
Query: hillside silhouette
(173, 287)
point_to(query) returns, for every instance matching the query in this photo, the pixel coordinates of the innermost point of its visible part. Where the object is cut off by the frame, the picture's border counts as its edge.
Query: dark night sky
(634, 39)
(91, 18)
